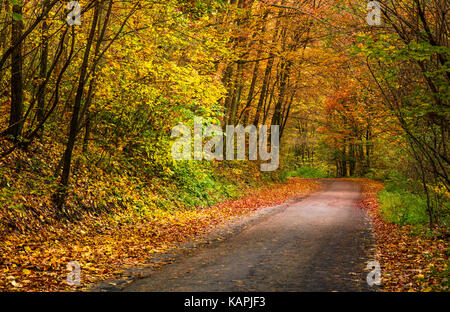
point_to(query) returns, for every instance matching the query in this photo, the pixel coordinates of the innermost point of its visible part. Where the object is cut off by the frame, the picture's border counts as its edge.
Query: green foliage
(197, 185)
(308, 172)
(401, 207)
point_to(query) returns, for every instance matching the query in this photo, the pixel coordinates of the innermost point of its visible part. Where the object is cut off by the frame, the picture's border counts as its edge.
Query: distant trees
(268, 41)
(348, 132)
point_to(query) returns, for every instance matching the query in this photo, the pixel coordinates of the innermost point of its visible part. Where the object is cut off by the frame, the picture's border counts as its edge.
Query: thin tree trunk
(237, 94)
(17, 107)
(42, 69)
(284, 75)
(74, 124)
(251, 92)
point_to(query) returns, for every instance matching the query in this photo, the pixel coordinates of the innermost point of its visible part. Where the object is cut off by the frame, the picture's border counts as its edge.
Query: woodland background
(86, 111)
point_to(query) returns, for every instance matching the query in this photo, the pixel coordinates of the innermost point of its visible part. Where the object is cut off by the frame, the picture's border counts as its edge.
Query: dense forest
(91, 90)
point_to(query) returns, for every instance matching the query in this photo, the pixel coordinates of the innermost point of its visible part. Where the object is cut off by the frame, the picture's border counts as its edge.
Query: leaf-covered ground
(107, 245)
(411, 261)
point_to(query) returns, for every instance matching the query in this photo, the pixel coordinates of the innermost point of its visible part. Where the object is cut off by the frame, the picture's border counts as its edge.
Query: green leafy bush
(308, 172)
(402, 207)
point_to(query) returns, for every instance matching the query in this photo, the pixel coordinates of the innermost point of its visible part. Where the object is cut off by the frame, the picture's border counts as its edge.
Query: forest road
(321, 243)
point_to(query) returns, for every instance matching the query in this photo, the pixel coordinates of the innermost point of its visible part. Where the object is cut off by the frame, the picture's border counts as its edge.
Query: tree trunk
(42, 69)
(16, 112)
(251, 92)
(284, 75)
(74, 124)
(236, 99)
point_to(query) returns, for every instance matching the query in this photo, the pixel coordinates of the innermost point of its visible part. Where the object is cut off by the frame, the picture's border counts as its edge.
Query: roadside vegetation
(413, 258)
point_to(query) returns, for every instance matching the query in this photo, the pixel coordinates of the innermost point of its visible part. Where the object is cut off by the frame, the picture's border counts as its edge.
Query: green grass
(402, 207)
(307, 172)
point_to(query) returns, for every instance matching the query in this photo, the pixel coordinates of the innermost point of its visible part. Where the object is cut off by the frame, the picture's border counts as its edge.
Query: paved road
(319, 244)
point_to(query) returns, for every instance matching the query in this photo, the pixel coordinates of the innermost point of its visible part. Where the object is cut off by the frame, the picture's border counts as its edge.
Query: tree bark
(74, 124)
(17, 107)
(42, 68)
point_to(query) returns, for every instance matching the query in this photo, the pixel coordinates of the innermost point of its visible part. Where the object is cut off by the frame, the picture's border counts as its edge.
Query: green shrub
(400, 207)
(308, 172)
